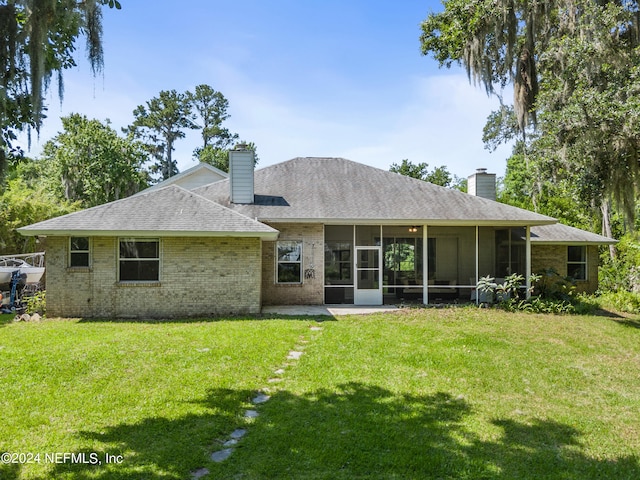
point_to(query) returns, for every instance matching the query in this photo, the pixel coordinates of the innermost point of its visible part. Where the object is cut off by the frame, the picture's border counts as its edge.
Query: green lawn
(450, 393)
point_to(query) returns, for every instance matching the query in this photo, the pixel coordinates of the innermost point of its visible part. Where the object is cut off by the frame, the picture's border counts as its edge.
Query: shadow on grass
(159, 448)
(628, 322)
(10, 471)
(364, 431)
(354, 431)
(5, 319)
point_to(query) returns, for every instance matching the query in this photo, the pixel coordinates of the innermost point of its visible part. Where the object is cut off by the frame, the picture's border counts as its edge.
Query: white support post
(477, 265)
(425, 265)
(528, 261)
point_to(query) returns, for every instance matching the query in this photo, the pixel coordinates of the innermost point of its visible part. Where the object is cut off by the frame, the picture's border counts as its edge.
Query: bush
(36, 303)
(621, 301)
(623, 273)
(551, 286)
(555, 294)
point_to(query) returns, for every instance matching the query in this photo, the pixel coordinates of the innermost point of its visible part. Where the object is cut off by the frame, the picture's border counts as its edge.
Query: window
(289, 262)
(79, 252)
(139, 260)
(577, 262)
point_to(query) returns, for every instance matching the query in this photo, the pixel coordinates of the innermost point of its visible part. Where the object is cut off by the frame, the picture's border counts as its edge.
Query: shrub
(551, 286)
(36, 303)
(555, 293)
(622, 301)
(622, 273)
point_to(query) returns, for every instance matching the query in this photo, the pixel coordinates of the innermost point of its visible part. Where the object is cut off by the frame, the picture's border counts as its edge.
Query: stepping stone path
(238, 433)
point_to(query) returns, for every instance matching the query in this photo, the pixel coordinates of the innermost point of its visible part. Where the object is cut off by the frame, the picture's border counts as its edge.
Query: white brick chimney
(241, 164)
(482, 184)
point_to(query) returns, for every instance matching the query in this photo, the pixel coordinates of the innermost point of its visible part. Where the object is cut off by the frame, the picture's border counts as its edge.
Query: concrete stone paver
(201, 472)
(221, 455)
(260, 398)
(238, 433)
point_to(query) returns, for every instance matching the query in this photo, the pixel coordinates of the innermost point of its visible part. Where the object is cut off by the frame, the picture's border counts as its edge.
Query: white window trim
(278, 262)
(585, 263)
(159, 259)
(88, 252)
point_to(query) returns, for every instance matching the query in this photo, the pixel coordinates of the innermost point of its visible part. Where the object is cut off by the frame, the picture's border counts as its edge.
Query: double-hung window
(577, 262)
(139, 260)
(79, 252)
(289, 262)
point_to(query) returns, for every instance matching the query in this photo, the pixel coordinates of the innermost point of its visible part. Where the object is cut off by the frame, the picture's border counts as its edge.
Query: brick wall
(555, 256)
(310, 292)
(198, 277)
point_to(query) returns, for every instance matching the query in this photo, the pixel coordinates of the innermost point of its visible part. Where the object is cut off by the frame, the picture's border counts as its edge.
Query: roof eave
(268, 236)
(432, 222)
(569, 242)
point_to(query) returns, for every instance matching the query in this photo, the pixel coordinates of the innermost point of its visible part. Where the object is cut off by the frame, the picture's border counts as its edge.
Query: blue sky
(303, 78)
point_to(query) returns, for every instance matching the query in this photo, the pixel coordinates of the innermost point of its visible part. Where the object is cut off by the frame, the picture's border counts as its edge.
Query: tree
(37, 40)
(23, 204)
(211, 107)
(219, 157)
(89, 163)
(160, 124)
(573, 66)
(438, 176)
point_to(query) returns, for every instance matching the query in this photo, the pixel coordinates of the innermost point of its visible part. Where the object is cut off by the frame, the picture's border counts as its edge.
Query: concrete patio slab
(329, 310)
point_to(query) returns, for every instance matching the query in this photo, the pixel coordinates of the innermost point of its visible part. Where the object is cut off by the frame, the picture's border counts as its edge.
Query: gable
(192, 178)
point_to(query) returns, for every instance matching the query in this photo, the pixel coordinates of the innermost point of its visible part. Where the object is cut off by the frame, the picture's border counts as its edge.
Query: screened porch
(391, 264)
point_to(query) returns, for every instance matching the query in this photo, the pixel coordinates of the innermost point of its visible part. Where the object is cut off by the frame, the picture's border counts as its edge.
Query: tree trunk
(606, 226)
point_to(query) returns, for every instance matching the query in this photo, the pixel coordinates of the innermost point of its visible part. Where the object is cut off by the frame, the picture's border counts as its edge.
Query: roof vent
(482, 184)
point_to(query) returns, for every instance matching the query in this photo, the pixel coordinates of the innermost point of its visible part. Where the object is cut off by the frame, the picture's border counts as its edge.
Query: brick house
(305, 231)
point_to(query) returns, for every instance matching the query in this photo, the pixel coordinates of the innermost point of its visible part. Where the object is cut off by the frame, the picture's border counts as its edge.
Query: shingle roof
(339, 190)
(167, 211)
(564, 234)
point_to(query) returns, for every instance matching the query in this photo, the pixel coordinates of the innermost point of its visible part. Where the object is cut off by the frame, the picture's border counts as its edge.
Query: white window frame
(126, 259)
(585, 263)
(279, 262)
(72, 251)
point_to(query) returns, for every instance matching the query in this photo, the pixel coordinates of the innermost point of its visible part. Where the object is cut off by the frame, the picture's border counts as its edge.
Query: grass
(451, 393)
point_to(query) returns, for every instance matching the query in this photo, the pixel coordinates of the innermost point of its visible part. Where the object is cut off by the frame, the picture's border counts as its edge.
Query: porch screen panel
(486, 252)
(510, 251)
(367, 235)
(338, 264)
(403, 274)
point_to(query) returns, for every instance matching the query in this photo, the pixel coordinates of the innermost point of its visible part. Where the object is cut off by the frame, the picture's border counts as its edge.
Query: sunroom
(386, 264)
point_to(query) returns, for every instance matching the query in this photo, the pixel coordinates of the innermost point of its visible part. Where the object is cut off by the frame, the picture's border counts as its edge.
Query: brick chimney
(482, 184)
(241, 164)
